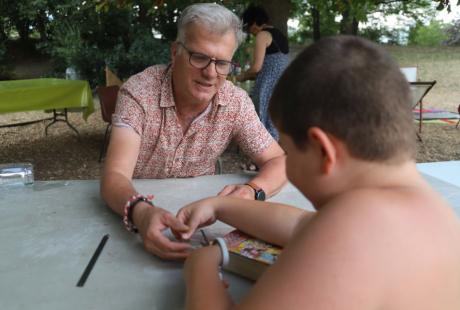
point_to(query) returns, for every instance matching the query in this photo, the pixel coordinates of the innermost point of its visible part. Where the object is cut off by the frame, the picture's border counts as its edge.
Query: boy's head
(350, 88)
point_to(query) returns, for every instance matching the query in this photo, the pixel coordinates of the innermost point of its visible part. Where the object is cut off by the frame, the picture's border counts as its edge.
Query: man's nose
(210, 70)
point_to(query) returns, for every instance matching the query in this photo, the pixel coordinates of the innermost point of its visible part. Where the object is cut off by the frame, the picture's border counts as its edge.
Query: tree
(432, 34)
(453, 34)
(322, 21)
(279, 12)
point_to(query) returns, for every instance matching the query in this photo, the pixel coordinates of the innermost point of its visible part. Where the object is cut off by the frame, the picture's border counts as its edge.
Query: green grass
(434, 63)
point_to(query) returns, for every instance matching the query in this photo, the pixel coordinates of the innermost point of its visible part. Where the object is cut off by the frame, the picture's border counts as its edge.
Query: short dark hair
(352, 89)
(255, 14)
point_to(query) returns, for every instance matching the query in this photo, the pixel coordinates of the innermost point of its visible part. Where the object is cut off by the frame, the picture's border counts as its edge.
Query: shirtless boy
(381, 238)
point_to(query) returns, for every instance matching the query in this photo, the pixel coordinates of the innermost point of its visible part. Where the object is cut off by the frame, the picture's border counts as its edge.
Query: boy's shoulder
(392, 206)
(389, 221)
(376, 242)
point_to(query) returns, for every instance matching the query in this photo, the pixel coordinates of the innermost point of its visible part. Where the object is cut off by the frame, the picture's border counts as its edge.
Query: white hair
(214, 17)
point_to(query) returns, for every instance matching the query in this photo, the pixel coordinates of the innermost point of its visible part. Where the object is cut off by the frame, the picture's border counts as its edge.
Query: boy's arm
(339, 260)
(272, 222)
(205, 289)
(344, 258)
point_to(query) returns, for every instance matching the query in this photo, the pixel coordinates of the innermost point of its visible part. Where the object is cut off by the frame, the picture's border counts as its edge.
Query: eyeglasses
(201, 61)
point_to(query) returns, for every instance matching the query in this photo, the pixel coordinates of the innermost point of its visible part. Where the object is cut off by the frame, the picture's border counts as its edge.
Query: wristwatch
(259, 193)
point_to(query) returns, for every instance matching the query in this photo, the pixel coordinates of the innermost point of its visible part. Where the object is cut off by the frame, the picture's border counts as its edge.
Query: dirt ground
(62, 155)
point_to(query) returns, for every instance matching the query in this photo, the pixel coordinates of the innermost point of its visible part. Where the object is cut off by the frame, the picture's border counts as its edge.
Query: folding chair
(419, 91)
(111, 79)
(459, 114)
(108, 99)
(410, 73)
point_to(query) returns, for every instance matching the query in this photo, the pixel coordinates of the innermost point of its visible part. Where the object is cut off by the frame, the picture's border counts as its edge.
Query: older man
(176, 120)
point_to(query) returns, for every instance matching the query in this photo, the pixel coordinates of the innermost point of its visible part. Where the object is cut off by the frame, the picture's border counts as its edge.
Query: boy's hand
(195, 215)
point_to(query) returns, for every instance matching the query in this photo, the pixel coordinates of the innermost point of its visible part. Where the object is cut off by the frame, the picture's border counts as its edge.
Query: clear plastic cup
(16, 174)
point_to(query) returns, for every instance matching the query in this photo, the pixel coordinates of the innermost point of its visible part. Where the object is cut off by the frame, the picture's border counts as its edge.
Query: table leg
(420, 118)
(26, 123)
(56, 119)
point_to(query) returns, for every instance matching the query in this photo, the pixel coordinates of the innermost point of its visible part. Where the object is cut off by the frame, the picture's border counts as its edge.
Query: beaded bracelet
(129, 208)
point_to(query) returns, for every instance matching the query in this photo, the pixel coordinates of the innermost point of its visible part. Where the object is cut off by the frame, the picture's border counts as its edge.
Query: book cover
(249, 257)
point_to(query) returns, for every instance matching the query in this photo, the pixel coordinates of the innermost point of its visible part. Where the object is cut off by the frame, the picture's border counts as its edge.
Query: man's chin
(204, 97)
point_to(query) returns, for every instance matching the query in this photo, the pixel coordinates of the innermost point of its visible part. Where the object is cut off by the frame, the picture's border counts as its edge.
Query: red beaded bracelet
(129, 208)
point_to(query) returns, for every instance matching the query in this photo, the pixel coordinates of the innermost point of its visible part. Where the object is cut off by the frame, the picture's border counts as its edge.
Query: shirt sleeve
(250, 133)
(128, 111)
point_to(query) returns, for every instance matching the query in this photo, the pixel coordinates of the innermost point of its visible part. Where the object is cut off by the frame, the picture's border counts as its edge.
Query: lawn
(434, 63)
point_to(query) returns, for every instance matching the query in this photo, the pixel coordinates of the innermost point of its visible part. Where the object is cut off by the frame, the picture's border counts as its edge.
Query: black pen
(92, 261)
(206, 241)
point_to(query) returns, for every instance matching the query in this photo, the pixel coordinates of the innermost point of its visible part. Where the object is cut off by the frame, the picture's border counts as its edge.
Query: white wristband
(223, 250)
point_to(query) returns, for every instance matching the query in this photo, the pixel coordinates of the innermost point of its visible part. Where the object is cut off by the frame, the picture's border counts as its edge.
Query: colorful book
(249, 257)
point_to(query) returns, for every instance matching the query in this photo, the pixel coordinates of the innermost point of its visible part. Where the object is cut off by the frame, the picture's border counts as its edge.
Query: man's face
(198, 86)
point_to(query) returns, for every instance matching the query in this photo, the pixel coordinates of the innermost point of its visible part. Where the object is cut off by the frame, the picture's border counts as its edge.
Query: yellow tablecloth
(45, 94)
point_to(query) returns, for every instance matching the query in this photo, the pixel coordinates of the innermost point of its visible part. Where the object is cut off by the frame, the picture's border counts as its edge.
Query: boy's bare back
(374, 247)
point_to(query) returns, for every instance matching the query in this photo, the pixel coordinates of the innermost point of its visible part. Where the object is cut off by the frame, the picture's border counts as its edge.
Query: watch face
(260, 195)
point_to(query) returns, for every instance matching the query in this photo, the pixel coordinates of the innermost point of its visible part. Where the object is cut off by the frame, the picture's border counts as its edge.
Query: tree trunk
(3, 35)
(348, 24)
(354, 25)
(278, 11)
(23, 30)
(143, 14)
(41, 25)
(316, 24)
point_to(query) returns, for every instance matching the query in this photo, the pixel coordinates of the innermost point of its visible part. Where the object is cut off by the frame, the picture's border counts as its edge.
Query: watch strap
(254, 186)
(259, 193)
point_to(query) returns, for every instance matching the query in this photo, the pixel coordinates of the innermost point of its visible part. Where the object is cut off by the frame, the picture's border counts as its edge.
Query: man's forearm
(116, 190)
(272, 176)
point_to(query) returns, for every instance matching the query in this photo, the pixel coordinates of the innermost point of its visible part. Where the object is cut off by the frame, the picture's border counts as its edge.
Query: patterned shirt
(146, 104)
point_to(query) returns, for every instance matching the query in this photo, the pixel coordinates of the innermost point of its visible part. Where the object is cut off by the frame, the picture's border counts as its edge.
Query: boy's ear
(326, 145)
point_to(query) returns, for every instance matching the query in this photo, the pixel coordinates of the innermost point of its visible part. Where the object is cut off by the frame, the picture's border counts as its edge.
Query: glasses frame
(210, 60)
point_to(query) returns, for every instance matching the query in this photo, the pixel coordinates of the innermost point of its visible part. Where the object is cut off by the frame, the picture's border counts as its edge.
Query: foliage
(3, 61)
(345, 17)
(453, 34)
(120, 33)
(432, 34)
(143, 51)
(302, 12)
(88, 39)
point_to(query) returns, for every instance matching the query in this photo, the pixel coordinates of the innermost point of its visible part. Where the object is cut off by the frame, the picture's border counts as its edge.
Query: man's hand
(239, 191)
(151, 222)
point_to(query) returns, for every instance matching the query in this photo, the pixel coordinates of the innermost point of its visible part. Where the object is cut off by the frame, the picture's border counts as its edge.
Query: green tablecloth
(45, 94)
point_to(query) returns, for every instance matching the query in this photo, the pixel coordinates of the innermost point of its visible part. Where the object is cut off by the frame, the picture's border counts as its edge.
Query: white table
(448, 171)
(49, 231)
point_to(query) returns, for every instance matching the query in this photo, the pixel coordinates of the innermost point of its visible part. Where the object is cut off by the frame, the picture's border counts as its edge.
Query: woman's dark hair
(254, 14)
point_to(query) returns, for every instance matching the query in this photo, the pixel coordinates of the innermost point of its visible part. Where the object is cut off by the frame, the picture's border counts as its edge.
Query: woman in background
(269, 61)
